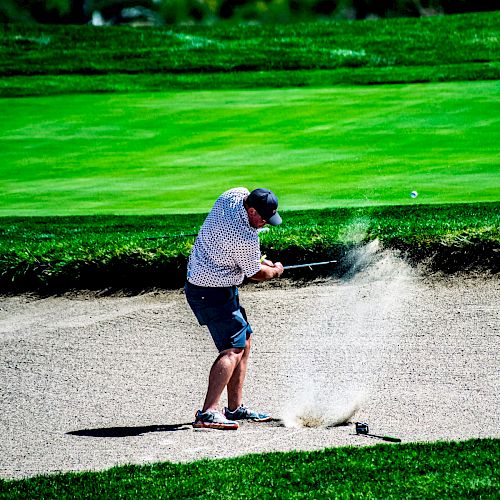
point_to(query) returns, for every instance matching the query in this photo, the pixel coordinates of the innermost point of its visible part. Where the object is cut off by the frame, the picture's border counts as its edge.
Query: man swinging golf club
(226, 250)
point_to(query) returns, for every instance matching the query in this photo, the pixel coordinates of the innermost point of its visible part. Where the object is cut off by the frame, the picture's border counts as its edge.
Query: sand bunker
(88, 382)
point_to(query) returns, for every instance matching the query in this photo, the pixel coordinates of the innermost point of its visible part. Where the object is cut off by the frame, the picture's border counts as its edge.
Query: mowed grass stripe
(175, 152)
(43, 85)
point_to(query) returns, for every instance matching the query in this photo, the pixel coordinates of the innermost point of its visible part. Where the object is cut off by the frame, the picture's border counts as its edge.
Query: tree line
(159, 12)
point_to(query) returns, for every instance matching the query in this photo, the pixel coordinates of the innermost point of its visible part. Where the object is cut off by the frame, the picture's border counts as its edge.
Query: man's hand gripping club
(268, 270)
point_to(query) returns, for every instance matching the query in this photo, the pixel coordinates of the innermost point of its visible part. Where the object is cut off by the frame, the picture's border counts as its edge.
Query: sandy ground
(90, 382)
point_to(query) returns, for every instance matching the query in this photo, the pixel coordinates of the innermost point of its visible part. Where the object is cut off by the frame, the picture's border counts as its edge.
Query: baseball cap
(266, 204)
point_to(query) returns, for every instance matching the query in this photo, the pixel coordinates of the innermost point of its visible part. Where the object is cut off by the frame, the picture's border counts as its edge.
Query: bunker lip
(132, 278)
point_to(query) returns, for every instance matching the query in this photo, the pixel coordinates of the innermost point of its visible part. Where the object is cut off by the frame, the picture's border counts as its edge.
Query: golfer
(226, 250)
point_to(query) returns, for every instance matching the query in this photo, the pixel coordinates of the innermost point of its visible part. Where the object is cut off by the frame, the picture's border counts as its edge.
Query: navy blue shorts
(219, 309)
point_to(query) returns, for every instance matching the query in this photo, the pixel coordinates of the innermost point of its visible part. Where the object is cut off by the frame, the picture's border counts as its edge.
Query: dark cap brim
(275, 220)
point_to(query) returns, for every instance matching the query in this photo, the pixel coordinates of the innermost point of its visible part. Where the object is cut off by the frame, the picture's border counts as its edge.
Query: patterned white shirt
(227, 247)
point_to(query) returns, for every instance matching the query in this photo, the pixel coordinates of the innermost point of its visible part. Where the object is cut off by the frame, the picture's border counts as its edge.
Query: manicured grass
(43, 85)
(317, 148)
(460, 47)
(467, 469)
(60, 253)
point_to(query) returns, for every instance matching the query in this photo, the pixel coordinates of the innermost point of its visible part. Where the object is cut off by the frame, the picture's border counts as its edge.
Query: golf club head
(361, 428)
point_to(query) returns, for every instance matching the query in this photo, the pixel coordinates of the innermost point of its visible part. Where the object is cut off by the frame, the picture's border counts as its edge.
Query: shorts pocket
(211, 305)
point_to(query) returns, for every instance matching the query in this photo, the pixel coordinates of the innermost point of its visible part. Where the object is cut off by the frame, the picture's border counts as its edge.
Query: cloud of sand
(331, 381)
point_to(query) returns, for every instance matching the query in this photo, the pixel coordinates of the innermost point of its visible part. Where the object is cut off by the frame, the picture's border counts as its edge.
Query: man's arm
(268, 271)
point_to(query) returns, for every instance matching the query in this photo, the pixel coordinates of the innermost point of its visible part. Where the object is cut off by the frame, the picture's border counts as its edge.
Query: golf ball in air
(413, 194)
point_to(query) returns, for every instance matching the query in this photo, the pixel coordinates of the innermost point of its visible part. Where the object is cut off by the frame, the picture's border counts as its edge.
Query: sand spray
(336, 362)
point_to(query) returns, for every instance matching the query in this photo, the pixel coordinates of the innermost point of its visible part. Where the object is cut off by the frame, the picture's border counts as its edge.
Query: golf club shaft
(296, 266)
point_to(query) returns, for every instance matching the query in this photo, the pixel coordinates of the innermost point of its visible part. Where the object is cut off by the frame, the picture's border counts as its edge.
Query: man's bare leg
(235, 384)
(220, 374)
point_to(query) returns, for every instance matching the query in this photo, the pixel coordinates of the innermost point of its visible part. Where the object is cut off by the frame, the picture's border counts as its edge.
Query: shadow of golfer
(117, 432)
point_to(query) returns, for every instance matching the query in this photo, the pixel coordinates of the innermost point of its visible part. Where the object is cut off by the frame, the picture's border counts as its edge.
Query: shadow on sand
(116, 432)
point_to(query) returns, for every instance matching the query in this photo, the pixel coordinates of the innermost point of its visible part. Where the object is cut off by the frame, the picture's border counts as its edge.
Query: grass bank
(51, 254)
(432, 470)
(110, 59)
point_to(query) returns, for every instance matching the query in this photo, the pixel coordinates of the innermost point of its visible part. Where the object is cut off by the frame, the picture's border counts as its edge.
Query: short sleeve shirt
(227, 247)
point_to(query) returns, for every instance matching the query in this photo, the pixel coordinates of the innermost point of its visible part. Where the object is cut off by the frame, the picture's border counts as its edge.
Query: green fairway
(175, 152)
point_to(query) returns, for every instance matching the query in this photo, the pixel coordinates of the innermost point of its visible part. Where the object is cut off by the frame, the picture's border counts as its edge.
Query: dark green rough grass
(44, 85)
(461, 47)
(129, 252)
(466, 469)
